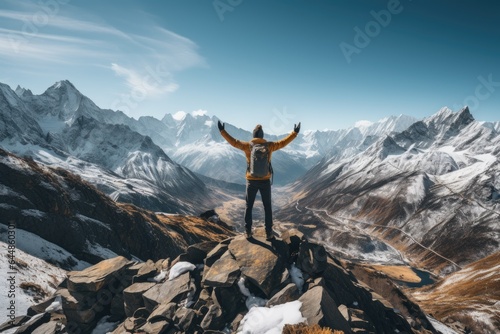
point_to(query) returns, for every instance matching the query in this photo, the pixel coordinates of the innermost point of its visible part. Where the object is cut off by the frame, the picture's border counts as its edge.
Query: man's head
(258, 132)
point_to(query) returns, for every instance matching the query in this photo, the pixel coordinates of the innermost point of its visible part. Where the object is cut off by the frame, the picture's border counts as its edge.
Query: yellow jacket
(247, 148)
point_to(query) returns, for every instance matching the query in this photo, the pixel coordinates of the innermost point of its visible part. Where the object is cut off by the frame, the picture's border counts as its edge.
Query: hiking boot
(248, 233)
(269, 235)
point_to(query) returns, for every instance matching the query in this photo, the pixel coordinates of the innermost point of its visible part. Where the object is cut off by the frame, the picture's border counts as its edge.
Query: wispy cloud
(146, 61)
(149, 85)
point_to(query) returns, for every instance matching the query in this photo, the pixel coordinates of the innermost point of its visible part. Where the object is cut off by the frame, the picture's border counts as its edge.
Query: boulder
(80, 308)
(164, 312)
(213, 319)
(132, 296)
(146, 271)
(40, 308)
(230, 300)
(198, 252)
(131, 324)
(223, 273)
(94, 278)
(287, 294)
(260, 262)
(32, 324)
(168, 291)
(18, 321)
(318, 307)
(185, 318)
(312, 258)
(215, 254)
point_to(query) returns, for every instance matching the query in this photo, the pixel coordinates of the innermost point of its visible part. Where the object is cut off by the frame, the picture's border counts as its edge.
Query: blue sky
(327, 64)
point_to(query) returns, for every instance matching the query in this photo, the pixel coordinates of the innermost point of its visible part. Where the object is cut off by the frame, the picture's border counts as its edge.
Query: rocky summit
(211, 287)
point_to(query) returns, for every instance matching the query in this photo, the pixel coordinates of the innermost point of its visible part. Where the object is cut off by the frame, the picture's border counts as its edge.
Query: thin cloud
(148, 85)
(70, 37)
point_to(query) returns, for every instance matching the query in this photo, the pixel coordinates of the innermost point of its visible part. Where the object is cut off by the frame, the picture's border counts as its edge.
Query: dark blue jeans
(264, 186)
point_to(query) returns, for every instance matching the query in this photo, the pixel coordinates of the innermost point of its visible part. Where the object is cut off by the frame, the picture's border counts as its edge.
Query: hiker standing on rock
(258, 152)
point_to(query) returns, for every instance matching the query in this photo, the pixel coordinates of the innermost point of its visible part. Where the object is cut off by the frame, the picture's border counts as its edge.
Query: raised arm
(242, 145)
(287, 140)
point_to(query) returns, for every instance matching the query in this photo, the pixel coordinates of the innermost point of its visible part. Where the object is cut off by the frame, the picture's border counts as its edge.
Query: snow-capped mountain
(200, 147)
(190, 139)
(431, 191)
(63, 219)
(61, 127)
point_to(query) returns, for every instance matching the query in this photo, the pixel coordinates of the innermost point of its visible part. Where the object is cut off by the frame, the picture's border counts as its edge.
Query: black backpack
(259, 165)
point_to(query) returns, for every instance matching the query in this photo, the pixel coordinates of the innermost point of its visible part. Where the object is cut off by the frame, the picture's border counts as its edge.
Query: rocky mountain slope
(236, 285)
(66, 211)
(470, 296)
(63, 128)
(430, 191)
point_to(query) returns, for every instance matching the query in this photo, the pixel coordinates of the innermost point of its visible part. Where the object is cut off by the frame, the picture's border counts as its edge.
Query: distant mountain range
(144, 161)
(431, 191)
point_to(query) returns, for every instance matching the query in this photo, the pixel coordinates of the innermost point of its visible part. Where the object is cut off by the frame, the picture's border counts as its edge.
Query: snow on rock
(265, 320)
(297, 277)
(180, 268)
(252, 300)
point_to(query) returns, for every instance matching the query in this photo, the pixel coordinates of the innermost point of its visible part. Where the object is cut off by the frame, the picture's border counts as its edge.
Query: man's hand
(296, 128)
(220, 125)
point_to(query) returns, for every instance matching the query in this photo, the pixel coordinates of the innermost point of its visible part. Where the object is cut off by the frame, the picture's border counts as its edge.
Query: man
(256, 180)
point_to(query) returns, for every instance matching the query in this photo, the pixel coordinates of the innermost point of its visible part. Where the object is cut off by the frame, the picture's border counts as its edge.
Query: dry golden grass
(305, 329)
(400, 273)
(476, 288)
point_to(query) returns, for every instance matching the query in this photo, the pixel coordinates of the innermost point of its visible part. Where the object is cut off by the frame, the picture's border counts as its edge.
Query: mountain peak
(21, 91)
(63, 86)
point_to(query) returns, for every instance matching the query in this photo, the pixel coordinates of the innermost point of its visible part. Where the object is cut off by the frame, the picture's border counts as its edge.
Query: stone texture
(198, 252)
(163, 312)
(223, 273)
(31, 325)
(94, 278)
(230, 300)
(146, 271)
(261, 264)
(168, 291)
(318, 307)
(287, 294)
(132, 296)
(213, 319)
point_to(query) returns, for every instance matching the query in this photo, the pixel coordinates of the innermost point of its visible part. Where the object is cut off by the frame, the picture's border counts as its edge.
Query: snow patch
(297, 277)
(251, 301)
(29, 269)
(42, 249)
(199, 112)
(180, 268)
(265, 320)
(179, 116)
